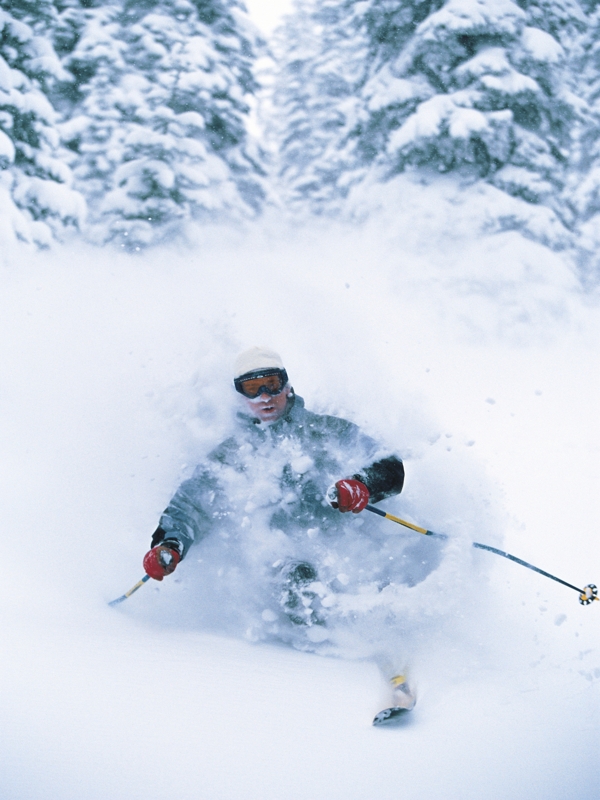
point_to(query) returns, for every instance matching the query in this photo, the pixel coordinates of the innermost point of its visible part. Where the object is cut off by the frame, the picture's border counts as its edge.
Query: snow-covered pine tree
(159, 137)
(321, 53)
(33, 175)
(474, 86)
(73, 19)
(583, 190)
(499, 104)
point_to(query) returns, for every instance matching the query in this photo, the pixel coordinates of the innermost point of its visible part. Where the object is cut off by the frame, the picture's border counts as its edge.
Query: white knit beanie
(256, 358)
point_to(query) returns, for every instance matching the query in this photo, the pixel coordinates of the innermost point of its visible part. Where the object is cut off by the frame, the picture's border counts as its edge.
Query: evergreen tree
(33, 175)
(584, 185)
(159, 135)
(321, 53)
(473, 86)
(497, 102)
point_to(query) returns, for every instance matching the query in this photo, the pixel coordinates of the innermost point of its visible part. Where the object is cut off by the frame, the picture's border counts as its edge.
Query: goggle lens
(253, 387)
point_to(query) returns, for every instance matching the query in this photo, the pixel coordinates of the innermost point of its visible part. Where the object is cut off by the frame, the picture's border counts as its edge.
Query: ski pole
(130, 592)
(587, 595)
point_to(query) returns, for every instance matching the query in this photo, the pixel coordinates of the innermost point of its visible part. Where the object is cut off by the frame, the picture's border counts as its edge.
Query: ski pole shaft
(406, 524)
(524, 564)
(130, 592)
(586, 595)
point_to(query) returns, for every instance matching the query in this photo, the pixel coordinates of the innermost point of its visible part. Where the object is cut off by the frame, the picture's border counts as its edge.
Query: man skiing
(286, 476)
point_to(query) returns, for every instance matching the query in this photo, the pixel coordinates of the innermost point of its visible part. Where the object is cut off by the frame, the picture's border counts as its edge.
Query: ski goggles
(270, 381)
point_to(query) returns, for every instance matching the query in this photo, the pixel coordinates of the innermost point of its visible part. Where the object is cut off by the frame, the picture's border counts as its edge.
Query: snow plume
(474, 358)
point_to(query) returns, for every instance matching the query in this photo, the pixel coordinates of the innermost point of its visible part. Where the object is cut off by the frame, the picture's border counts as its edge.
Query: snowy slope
(477, 358)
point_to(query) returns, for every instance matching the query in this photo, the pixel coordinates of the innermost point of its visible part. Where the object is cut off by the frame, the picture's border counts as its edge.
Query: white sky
(267, 13)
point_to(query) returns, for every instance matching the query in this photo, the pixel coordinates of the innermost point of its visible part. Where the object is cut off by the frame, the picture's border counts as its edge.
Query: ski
(390, 716)
(404, 698)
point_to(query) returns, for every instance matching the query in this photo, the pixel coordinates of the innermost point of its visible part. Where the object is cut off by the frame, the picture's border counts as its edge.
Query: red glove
(352, 495)
(161, 561)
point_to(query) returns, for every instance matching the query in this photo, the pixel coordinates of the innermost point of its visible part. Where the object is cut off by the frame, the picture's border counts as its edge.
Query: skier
(298, 472)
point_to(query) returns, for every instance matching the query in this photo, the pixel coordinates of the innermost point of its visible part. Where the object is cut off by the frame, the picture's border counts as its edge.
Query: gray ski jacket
(278, 474)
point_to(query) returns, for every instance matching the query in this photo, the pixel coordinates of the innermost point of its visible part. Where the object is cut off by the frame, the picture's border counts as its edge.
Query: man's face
(268, 408)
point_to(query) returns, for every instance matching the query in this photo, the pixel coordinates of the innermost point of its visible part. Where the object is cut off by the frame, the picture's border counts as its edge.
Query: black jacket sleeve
(161, 537)
(383, 478)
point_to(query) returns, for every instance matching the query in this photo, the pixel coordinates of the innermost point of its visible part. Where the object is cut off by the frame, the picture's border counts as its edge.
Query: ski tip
(391, 716)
